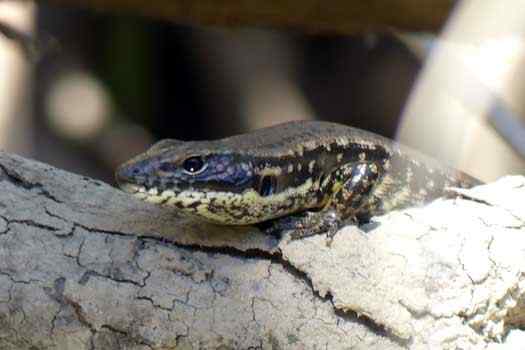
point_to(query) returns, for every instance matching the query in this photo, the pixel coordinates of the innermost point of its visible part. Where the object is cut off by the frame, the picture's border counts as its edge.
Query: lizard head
(198, 177)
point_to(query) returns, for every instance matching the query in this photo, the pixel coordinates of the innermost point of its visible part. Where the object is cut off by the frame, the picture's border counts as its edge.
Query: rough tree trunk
(85, 266)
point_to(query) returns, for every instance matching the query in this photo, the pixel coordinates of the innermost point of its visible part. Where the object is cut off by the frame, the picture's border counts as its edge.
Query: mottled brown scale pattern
(324, 172)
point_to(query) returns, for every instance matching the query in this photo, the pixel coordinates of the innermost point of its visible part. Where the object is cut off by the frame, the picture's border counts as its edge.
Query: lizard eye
(194, 165)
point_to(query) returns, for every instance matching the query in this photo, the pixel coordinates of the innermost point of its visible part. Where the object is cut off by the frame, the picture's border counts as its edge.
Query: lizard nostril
(127, 173)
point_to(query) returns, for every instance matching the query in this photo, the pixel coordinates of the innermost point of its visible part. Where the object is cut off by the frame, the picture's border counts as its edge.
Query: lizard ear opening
(267, 186)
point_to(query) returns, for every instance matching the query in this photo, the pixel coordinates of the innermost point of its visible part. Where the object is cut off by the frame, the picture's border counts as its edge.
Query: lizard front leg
(351, 185)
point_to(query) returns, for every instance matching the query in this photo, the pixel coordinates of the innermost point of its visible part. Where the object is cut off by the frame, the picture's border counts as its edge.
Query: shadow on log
(86, 266)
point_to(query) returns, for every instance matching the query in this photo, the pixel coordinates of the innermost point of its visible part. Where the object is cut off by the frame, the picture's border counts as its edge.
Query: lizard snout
(130, 173)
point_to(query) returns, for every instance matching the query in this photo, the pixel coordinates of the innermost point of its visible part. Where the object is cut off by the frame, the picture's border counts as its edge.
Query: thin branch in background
(34, 49)
(509, 125)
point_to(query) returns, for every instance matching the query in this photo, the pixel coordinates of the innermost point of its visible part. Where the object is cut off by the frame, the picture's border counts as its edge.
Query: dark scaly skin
(305, 176)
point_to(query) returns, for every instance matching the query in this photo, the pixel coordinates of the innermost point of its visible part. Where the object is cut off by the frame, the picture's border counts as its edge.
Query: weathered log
(86, 266)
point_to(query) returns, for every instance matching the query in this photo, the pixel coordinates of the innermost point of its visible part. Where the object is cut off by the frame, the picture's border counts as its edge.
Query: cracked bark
(85, 266)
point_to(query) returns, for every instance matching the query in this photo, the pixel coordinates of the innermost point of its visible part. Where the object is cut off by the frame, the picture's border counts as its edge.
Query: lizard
(307, 177)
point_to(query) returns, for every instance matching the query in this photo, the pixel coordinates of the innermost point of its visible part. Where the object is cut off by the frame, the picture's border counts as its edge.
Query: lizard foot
(308, 224)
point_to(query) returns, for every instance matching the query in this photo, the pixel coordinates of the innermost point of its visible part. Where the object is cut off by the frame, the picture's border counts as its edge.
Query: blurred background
(85, 90)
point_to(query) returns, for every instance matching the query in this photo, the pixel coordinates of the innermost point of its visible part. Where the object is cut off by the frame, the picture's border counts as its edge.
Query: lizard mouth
(152, 195)
(131, 188)
(136, 190)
